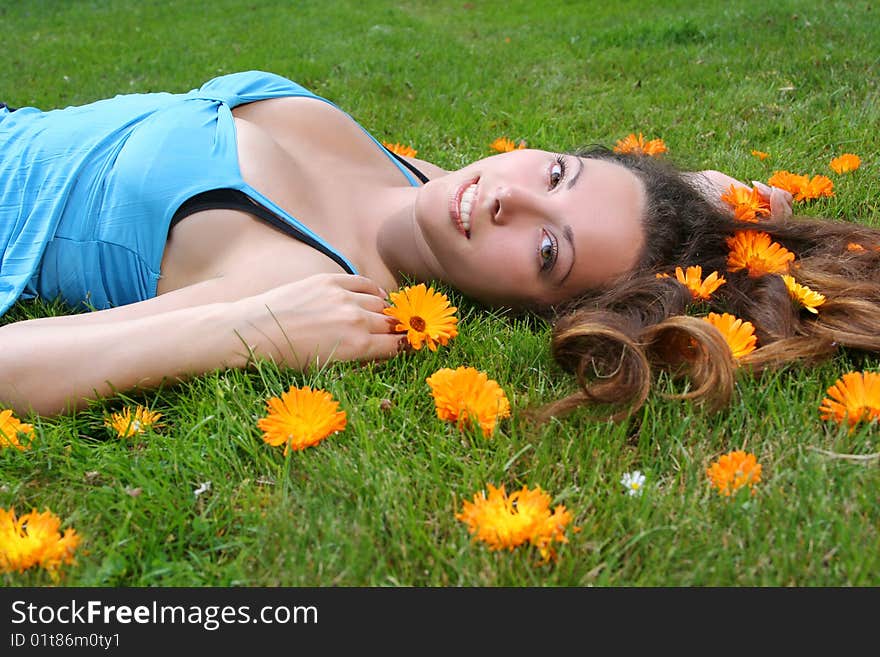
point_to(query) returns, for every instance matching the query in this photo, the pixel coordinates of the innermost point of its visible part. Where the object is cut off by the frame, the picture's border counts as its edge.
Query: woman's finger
(379, 323)
(382, 347)
(358, 283)
(780, 203)
(780, 199)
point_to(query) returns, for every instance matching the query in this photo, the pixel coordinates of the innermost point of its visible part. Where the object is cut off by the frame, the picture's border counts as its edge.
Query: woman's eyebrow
(566, 230)
(577, 173)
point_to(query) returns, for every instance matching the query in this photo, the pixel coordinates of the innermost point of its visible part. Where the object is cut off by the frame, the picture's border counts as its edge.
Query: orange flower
(466, 395)
(700, 289)
(301, 418)
(400, 149)
(739, 335)
(754, 251)
(816, 187)
(734, 470)
(505, 145)
(504, 522)
(790, 182)
(853, 246)
(803, 188)
(127, 424)
(10, 430)
(845, 163)
(34, 539)
(747, 204)
(803, 295)
(638, 145)
(761, 155)
(853, 398)
(425, 315)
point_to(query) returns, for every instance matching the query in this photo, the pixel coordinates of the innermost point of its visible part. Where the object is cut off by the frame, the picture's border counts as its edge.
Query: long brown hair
(616, 340)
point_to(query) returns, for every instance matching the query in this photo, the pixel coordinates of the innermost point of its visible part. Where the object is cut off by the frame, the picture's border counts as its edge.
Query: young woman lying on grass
(250, 218)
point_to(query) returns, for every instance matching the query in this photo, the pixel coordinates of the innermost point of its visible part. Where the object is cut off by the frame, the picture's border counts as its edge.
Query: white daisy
(633, 482)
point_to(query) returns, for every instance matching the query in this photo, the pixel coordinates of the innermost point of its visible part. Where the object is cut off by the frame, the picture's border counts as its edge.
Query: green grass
(376, 504)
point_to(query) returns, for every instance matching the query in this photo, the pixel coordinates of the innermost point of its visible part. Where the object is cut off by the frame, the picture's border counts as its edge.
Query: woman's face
(531, 227)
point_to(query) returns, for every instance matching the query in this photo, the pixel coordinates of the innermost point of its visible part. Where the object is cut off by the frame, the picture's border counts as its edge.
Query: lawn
(201, 500)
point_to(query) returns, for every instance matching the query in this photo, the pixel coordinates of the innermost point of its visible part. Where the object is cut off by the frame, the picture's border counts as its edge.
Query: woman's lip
(455, 207)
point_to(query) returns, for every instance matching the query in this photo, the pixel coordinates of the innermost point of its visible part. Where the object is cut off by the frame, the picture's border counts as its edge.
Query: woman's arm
(52, 365)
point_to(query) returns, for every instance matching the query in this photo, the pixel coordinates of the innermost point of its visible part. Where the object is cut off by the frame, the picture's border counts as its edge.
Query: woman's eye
(557, 172)
(548, 252)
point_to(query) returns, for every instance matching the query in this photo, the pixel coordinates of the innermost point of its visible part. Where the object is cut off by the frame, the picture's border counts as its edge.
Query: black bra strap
(233, 199)
(418, 174)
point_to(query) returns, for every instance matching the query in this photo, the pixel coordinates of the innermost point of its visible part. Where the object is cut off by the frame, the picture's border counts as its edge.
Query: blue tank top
(87, 193)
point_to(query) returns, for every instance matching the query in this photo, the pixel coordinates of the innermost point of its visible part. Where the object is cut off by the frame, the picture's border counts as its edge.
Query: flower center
(417, 323)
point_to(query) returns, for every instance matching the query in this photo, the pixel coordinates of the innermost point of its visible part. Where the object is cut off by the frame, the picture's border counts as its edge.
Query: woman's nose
(514, 202)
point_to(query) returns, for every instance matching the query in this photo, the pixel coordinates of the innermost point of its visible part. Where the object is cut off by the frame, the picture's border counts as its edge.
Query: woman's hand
(716, 183)
(318, 319)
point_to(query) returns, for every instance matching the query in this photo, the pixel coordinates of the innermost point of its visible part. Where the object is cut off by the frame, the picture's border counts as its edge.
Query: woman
(251, 218)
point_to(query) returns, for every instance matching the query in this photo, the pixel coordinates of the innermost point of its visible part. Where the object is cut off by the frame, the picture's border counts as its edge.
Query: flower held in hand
(425, 315)
(747, 204)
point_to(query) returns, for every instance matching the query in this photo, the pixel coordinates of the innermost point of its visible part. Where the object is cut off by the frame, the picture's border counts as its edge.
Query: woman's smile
(461, 205)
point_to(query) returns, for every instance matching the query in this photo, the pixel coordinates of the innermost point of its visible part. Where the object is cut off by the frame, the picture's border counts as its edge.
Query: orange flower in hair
(747, 204)
(761, 155)
(853, 398)
(845, 163)
(693, 281)
(638, 145)
(739, 335)
(756, 252)
(505, 145)
(803, 295)
(400, 149)
(853, 246)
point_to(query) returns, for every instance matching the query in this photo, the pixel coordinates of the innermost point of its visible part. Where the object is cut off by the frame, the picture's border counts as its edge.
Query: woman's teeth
(467, 199)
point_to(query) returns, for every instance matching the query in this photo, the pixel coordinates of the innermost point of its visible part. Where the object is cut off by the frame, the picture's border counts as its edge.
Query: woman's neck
(389, 227)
